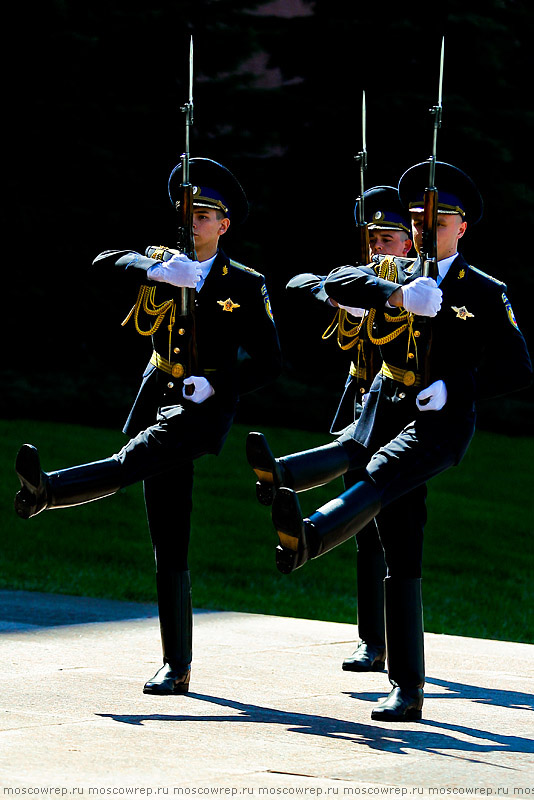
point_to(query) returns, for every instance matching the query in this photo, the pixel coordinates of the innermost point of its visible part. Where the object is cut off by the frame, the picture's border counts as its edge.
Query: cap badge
(378, 216)
(228, 305)
(462, 313)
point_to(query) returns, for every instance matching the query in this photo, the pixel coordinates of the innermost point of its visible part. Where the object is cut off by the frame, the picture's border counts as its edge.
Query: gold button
(417, 333)
(402, 395)
(170, 385)
(409, 378)
(177, 370)
(410, 355)
(181, 331)
(176, 349)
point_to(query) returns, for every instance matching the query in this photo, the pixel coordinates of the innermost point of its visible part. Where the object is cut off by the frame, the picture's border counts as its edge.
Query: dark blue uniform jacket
(237, 343)
(474, 344)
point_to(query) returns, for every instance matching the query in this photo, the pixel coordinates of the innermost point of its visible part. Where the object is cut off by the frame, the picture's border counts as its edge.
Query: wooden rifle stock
(429, 255)
(186, 244)
(429, 252)
(363, 243)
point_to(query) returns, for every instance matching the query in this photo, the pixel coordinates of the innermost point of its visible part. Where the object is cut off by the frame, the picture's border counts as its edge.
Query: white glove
(203, 389)
(422, 297)
(356, 312)
(179, 271)
(433, 398)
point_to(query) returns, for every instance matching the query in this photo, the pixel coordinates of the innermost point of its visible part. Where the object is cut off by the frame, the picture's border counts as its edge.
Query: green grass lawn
(478, 541)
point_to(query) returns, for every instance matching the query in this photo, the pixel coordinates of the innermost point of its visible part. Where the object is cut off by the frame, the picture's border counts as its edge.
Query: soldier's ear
(224, 225)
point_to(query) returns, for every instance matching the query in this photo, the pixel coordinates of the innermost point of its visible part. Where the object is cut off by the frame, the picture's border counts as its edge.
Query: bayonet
(436, 112)
(187, 108)
(361, 159)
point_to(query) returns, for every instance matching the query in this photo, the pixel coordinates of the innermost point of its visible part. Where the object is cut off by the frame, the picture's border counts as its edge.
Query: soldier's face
(388, 243)
(207, 227)
(451, 228)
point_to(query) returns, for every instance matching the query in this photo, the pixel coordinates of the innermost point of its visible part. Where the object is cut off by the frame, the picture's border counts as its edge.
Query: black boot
(298, 471)
(405, 648)
(366, 658)
(332, 524)
(370, 655)
(176, 625)
(67, 487)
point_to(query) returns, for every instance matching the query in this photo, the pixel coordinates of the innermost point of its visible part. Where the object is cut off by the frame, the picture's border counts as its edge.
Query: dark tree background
(94, 128)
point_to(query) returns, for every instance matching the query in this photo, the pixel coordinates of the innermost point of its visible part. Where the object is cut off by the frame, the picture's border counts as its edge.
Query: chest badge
(462, 313)
(228, 305)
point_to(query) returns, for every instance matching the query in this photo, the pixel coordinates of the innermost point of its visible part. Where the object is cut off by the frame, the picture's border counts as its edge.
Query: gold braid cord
(388, 271)
(145, 301)
(339, 324)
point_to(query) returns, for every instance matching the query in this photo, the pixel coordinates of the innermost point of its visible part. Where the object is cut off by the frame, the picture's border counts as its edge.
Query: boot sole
(28, 467)
(376, 666)
(287, 519)
(263, 463)
(389, 716)
(182, 689)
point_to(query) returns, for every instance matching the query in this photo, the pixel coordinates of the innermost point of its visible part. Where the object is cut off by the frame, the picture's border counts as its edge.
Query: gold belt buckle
(408, 378)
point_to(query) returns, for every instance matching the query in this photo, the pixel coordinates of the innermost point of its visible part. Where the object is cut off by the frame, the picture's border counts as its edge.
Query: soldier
(418, 420)
(389, 234)
(169, 427)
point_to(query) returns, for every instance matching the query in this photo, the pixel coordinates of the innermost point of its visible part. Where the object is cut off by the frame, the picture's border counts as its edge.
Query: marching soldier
(418, 420)
(389, 234)
(169, 425)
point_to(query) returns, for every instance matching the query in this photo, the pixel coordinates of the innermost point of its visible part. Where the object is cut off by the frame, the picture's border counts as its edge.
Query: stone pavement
(270, 711)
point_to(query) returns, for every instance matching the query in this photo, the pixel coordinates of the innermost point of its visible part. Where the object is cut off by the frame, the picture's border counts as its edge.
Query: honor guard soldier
(389, 230)
(187, 399)
(418, 420)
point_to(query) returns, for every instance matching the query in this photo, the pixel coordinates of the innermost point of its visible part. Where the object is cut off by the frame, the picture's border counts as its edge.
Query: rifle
(186, 245)
(429, 249)
(363, 364)
(429, 244)
(186, 240)
(361, 224)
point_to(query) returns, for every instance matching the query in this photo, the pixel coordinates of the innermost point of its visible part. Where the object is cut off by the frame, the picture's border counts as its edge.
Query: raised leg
(331, 525)
(63, 488)
(298, 471)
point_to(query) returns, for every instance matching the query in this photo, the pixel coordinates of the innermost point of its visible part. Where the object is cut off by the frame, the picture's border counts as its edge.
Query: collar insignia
(462, 313)
(461, 274)
(225, 270)
(509, 311)
(228, 305)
